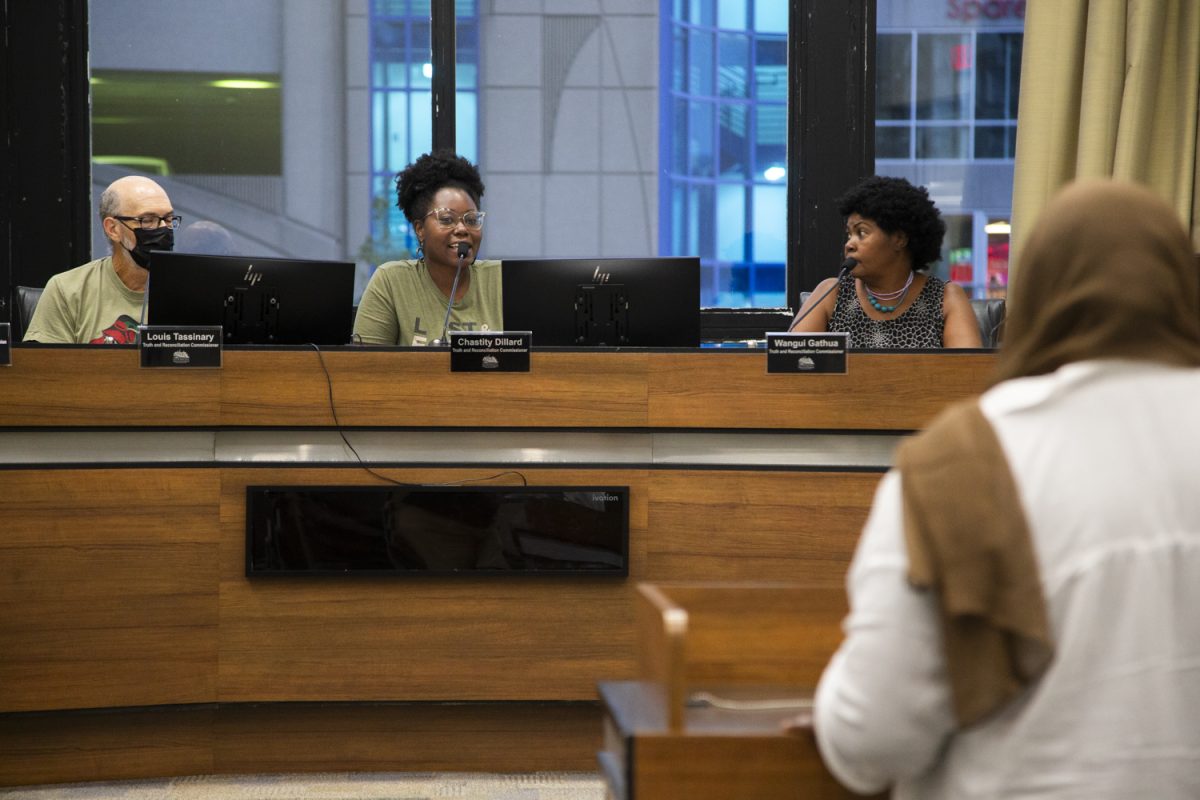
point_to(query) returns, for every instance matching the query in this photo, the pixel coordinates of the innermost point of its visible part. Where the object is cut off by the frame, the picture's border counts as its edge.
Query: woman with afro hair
(893, 231)
(406, 302)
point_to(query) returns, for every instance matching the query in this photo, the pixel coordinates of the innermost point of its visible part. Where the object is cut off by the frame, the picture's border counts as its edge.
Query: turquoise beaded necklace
(874, 297)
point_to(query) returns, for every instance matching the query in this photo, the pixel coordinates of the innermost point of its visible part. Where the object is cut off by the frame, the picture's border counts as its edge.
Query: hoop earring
(420, 250)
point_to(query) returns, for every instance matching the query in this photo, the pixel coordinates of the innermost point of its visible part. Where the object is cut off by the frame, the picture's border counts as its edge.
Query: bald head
(125, 196)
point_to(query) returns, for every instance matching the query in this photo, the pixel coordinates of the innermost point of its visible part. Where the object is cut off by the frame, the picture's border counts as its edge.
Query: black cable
(338, 423)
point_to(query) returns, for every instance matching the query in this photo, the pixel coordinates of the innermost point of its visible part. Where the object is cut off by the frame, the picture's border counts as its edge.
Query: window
(947, 88)
(723, 189)
(401, 113)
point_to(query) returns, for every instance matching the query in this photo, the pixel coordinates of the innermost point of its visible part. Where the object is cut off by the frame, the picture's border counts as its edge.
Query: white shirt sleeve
(883, 708)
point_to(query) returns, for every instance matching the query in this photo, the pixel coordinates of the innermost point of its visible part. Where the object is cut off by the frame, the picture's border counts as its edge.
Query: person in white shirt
(1025, 598)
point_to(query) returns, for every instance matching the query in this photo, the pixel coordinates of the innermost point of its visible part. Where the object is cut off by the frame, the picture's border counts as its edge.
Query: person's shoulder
(84, 270)
(487, 265)
(402, 265)
(951, 290)
(74, 278)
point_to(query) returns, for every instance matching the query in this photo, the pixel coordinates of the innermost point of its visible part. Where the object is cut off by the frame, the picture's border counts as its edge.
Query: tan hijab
(1108, 273)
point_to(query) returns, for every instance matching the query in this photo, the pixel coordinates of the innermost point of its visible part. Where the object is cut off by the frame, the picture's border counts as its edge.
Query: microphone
(463, 249)
(847, 265)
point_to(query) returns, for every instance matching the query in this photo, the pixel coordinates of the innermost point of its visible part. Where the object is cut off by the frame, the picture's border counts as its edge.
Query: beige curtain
(1109, 88)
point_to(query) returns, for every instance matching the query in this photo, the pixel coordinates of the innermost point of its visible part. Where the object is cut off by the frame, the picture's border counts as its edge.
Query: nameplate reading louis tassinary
(810, 353)
(490, 351)
(180, 346)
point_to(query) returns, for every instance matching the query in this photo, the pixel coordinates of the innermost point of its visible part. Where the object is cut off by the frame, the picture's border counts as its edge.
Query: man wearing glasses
(103, 301)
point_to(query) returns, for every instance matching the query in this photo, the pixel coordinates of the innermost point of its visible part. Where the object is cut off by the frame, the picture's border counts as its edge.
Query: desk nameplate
(807, 353)
(180, 346)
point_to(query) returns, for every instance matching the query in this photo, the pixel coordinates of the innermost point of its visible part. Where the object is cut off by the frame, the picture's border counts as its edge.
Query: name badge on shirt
(808, 353)
(180, 346)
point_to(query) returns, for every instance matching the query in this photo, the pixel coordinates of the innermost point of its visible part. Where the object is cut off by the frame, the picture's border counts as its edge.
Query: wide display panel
(437, 530)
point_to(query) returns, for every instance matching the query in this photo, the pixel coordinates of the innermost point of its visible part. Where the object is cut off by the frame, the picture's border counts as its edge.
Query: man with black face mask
(102, 301)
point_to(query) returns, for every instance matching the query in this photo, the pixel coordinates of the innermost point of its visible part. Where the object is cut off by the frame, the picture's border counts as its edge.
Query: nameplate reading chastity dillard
(177, 346)
(823, 353)
(5, 344)
(490, 351)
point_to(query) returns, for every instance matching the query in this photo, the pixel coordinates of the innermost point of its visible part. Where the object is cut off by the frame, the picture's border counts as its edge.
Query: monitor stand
(601, 315)
(251, 315)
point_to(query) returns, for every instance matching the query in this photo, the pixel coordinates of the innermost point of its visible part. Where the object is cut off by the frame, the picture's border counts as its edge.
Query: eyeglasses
(152, 221)
(448, 219)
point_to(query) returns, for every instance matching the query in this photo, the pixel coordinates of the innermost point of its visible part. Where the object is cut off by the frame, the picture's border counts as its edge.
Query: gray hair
(110, 203)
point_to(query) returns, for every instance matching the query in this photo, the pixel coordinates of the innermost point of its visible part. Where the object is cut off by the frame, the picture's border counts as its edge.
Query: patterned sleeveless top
(919, 327)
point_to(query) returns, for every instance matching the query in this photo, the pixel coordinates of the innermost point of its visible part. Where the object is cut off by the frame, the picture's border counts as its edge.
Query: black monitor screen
(437, 530)
(255, 300)
(614, 302)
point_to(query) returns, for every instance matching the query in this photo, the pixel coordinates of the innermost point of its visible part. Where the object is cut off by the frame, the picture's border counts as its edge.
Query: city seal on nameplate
(807, 353)
(490, 351)
(180, 346)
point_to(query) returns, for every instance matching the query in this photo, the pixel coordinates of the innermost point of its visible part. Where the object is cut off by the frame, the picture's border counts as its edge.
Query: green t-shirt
(403, 306)
(86, 305)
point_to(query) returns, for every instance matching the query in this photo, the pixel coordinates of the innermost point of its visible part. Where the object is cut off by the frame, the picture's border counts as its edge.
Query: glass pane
(735, 59)
(770, 70)
(990, 141)
(700, 12)
(420, 125)
(680, 124)
(892, 141)
(466, 106)
(731, 222)
(893, 77)
(735, 161)
(679, 72)
(770, 143)
(701, 153)
(700, 62)
(731, 14)
(943, 75)
(396, 125)
(997, 75)
(967, 70)
(771, 16)
(941, 142)
(701, 206)
(770, 224)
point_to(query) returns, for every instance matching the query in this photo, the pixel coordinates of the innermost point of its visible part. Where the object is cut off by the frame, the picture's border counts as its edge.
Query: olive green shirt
(86, 305)
(403, 306)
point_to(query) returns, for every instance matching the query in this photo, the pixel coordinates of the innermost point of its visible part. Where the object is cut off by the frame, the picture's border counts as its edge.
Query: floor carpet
(330, 786)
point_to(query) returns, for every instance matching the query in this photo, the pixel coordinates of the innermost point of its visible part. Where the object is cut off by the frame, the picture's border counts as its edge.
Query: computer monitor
(613, 302)
(254, 300)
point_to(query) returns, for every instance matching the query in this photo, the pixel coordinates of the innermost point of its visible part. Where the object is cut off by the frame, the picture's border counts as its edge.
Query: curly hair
(895, 205)
(422, 179)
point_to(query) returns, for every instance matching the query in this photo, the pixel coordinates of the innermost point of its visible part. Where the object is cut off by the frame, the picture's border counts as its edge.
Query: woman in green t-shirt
(416, 302)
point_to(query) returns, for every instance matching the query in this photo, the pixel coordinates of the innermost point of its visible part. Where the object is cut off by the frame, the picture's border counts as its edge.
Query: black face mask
(151, 239)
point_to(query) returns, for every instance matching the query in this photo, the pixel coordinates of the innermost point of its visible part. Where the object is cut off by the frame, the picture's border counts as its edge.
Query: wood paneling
(417, 389)
(109, 589)
(68, 387)
(103, 386)
(413, 637)
(767, 526)
(885, 391)
(500, 737)
(68, 746)
(128, 588)
(71, 746)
